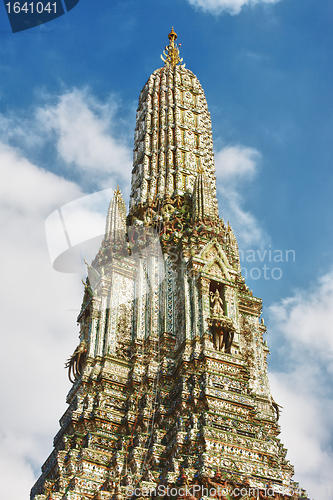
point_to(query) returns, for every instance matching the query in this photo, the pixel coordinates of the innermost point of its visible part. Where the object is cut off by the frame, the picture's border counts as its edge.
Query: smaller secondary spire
(116, 219)
(171, 52)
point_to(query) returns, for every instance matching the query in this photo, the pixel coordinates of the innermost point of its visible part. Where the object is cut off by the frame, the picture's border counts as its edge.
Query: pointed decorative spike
(172, 51)
(116, 218)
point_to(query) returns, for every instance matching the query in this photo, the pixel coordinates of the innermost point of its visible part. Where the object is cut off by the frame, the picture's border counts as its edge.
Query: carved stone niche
(220, 325)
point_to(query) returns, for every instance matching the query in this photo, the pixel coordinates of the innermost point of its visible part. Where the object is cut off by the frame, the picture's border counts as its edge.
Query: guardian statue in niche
(217, 304)
(221, 326)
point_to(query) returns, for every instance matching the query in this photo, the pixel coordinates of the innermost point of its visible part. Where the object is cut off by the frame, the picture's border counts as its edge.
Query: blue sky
(68, 95)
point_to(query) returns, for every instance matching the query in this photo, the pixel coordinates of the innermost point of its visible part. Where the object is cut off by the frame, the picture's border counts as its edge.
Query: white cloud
(23, 185)
(38, 331)
(84, 138)
(308, 317)
(15, 449)
(303, 326)
(231, 6)
(236, 165)
(234, 162)
(85, 132)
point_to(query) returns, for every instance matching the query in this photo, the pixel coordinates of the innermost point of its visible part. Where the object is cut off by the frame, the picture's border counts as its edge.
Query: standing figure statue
(217, 304)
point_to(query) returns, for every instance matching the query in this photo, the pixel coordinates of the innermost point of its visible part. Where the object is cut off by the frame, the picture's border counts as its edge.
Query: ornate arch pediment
(217, 261)
(218, 268)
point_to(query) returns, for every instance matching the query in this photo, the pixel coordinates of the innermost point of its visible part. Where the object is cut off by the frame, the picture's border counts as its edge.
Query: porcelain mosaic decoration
(170, 383)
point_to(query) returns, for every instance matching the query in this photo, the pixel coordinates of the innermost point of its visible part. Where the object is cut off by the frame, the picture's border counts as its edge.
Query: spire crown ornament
(171, 51)
(172, 35)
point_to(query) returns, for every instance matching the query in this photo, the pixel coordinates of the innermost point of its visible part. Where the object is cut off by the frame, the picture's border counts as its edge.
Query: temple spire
(170, 376)
(173, 137)
(115, 227)
(171, 51)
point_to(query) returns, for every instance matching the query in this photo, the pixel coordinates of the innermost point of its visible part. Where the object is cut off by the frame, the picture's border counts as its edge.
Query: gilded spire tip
(172, 35)
(171, 52)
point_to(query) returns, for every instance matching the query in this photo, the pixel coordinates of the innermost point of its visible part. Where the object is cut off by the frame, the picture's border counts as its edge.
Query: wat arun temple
(170, 396)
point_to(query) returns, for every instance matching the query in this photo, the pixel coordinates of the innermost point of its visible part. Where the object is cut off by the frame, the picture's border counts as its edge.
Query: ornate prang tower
(170, 379)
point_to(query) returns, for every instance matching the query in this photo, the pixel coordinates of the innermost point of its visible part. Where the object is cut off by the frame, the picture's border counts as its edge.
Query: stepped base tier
(170, 392)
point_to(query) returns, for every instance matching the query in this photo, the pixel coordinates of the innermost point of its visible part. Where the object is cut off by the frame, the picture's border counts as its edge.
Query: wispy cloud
(84, 132)
(235, 167)
(302, 324)
(89, 137)
(231, 6)
(307, 317)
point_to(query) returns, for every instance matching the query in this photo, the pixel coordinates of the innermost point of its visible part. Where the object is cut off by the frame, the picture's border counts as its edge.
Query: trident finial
(171, 52)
